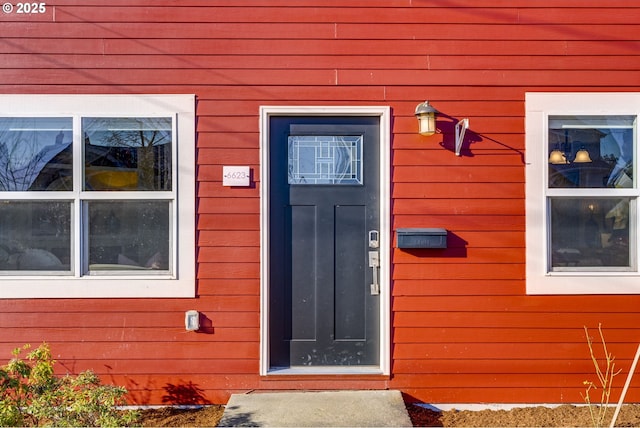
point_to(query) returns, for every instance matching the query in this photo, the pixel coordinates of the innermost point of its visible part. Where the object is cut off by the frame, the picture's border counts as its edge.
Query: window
(325, 159)
(582, 193)
(97, 196)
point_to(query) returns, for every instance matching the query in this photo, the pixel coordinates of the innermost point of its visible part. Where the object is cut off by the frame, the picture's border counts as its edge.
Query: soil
(562, 416)
(207, 416)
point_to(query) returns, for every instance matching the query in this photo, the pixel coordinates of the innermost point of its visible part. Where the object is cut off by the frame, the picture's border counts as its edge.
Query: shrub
(32, 395)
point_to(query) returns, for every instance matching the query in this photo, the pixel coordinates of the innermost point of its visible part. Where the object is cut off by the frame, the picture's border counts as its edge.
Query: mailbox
(422, 238)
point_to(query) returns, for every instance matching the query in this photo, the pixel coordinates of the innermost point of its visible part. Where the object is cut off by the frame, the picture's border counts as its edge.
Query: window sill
(69, 288)
(326, 370)
(617, 283)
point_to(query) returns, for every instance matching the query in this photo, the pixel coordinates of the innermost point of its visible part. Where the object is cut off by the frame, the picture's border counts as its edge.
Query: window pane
(127, 153)
(590, 232)
(591, 151)
(325, 160)
(35, 154)
(35, 236)
(129, 235)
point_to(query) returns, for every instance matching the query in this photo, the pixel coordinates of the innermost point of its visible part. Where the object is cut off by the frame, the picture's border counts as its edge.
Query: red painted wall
(463, 328)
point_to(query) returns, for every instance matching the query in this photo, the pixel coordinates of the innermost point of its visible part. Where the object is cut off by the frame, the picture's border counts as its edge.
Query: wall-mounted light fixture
(426, 116)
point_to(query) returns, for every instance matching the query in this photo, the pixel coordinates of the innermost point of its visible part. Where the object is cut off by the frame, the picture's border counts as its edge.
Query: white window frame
(180, 281)
(539, 280)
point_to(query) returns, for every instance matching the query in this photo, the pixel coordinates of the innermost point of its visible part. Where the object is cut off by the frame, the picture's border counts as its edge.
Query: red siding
(463, 328)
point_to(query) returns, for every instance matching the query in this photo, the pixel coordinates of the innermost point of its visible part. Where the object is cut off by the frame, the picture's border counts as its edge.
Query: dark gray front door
(324, 218)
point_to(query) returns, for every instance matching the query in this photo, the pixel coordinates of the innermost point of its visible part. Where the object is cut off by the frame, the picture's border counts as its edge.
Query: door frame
(384, 115)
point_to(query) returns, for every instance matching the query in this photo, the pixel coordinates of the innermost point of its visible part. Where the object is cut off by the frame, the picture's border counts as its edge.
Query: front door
(324, 222)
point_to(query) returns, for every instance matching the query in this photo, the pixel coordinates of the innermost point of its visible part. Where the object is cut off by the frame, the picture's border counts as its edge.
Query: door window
(327, 159)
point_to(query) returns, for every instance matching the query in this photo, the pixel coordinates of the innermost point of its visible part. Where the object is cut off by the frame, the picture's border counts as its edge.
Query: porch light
(426, 116)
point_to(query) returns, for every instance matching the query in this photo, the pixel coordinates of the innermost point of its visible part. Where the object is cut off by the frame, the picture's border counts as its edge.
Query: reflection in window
(35, 154)
(127, 153)
(325, 159)
(589, 229)
(591, 151)
(129, 235)
(590, 233)
(35, 236)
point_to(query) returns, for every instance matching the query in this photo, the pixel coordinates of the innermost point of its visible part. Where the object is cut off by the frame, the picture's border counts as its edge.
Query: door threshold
(326, 370)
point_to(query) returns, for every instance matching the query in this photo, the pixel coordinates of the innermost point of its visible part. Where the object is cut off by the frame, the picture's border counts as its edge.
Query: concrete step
(316, 409)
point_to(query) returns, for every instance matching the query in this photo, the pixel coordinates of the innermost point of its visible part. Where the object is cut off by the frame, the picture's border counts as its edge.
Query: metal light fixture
(426, 116)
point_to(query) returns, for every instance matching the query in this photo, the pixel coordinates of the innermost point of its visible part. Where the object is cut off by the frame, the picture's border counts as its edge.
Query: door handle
(374, 263)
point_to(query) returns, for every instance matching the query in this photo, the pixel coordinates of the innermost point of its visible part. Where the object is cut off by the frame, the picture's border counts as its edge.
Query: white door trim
(384, 113)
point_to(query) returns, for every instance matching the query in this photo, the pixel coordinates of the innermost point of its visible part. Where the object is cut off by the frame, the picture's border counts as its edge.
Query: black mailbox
(422, 238)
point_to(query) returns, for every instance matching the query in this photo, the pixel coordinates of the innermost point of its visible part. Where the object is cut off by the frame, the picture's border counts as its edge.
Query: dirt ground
(174, 417)
(563, 416)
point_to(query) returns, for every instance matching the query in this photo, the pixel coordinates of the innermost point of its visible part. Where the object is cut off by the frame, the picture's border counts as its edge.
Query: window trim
(539, 106)
(180, 282)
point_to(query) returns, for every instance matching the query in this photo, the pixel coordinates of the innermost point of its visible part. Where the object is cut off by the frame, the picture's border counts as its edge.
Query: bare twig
(605, 380)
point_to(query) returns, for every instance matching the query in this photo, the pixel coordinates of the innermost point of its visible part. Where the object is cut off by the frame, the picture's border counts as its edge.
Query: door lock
(374, 239)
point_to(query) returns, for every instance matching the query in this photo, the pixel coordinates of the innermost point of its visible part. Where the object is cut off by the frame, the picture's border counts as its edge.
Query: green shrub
(31, 395)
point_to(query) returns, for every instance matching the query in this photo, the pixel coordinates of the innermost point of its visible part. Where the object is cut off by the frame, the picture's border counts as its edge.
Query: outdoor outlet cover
(192, 320)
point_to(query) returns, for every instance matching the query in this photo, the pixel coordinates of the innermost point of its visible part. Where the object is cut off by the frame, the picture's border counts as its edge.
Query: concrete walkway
(316, 409)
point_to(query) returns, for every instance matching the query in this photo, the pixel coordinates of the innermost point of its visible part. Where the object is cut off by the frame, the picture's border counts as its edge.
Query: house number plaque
(236, 176)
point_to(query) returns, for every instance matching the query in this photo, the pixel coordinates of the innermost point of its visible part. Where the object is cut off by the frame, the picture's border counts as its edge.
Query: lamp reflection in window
(582, 156)
(557, 157)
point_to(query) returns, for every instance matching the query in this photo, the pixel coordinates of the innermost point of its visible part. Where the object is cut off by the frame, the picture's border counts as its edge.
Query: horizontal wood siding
(463, 329)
